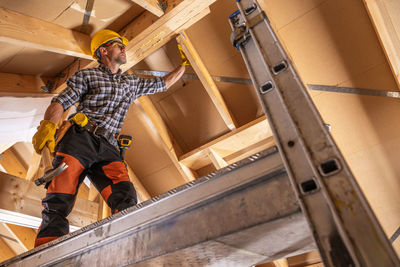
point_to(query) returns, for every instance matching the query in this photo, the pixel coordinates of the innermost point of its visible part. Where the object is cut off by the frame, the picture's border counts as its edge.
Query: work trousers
(86, 155)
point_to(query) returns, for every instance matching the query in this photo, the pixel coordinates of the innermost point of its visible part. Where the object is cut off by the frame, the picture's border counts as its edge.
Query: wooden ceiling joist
(24, 235)
(19, 196)
(151, 5)
(256, 133)
(5, 251)
(22, 85)
(4, 147)
(12, 163)
(384, 16)
(22, 30)
(147, 34)
(169, 144)
(140, 189)
(206, 79)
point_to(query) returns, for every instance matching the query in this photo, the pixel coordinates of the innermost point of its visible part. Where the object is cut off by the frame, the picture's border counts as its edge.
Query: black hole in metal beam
(308, 186)
(250, 9)
(279, 67)
(266, 87)
(329, 167)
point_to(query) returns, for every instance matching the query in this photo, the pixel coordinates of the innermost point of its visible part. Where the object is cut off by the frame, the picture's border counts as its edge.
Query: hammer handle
(46, 159)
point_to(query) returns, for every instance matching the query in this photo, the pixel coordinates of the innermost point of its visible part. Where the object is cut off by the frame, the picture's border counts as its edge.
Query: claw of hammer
(49, 175)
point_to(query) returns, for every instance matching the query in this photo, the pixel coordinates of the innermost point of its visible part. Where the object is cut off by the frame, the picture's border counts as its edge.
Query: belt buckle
(95, 129)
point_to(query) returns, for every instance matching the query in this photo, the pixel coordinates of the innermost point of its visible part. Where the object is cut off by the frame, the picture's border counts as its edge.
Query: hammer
(49, 171)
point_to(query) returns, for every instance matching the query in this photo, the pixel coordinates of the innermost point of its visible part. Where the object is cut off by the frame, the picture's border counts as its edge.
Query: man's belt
(83, 121)
(95, 129)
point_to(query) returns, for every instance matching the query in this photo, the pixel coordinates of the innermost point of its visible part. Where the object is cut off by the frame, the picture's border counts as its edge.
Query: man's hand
(44, 136)
(185, 61)
(174, 76)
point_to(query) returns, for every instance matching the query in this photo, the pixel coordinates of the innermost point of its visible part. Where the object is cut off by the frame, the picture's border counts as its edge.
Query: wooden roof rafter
(147, 34)
(31, 32)
(206, 79)
(153, 6)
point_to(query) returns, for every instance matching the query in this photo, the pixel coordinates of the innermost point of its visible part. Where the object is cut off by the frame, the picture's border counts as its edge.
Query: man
(89, 147)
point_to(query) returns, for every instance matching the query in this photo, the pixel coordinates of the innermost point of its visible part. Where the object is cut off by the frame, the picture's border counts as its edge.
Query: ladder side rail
(344, 226)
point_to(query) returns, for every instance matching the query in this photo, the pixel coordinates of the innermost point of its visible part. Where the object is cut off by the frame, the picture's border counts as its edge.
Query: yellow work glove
(185, 61)
(44, 136)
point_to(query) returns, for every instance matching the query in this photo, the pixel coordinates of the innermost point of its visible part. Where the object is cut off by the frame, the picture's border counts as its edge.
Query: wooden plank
(160, 125)
(12, 163)
(281, 263)
(151, 5)
(22, 85)
(25, 236)
(4, 147)
(83, 191)
(305, 259)
(11, 241)
(216, 159)
(34, 166)
(24, 197)
(140, 189)
(93, 193)
(147, 34)
(206, 80)
(384, 15)
(18, 29)
(5, 251)
(169, 144)
(256, 133)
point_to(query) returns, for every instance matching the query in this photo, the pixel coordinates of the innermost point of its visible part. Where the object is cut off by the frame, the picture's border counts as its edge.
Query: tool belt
(83, 121)
(62, 131)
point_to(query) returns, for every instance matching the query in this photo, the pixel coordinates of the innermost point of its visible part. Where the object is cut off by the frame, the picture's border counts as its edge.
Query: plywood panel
(35, 62)
(221, 58)
(216, 49)
(334, 43)
(288, 11)
(46, 10)
(146, 155)
(377, 171)
(329, 50)
(162, 180)
(191, 116)
(104, 12)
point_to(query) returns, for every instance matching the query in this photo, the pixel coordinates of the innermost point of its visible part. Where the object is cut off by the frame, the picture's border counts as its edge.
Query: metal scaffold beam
(231, 216)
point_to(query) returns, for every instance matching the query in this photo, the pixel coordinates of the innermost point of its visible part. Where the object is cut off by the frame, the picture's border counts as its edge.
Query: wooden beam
(147, 34)
(216, 159)
(384, 15)
(5, 251)
(151, 5)
(12, 163)
(21, 196)
(305, 259)
(34, 166)
(93, 193)
(22, 30)
(24, 235)
(11, 240)
(4, 147)
(233, 145)
(206, 80)
(140, 189)
(281, 263)
(169, 144)
(22, 85)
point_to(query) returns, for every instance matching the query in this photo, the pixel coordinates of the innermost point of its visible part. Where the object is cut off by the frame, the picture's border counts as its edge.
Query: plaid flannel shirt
(105, 97)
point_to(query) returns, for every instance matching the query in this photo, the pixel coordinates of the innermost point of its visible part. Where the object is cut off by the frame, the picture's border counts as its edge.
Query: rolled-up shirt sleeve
(144, 86)
(76, 88)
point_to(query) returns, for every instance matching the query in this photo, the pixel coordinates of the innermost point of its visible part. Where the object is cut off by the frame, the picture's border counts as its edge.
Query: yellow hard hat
(103, 36)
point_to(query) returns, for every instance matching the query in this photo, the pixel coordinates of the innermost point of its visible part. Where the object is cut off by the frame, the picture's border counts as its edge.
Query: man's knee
(122, 197)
